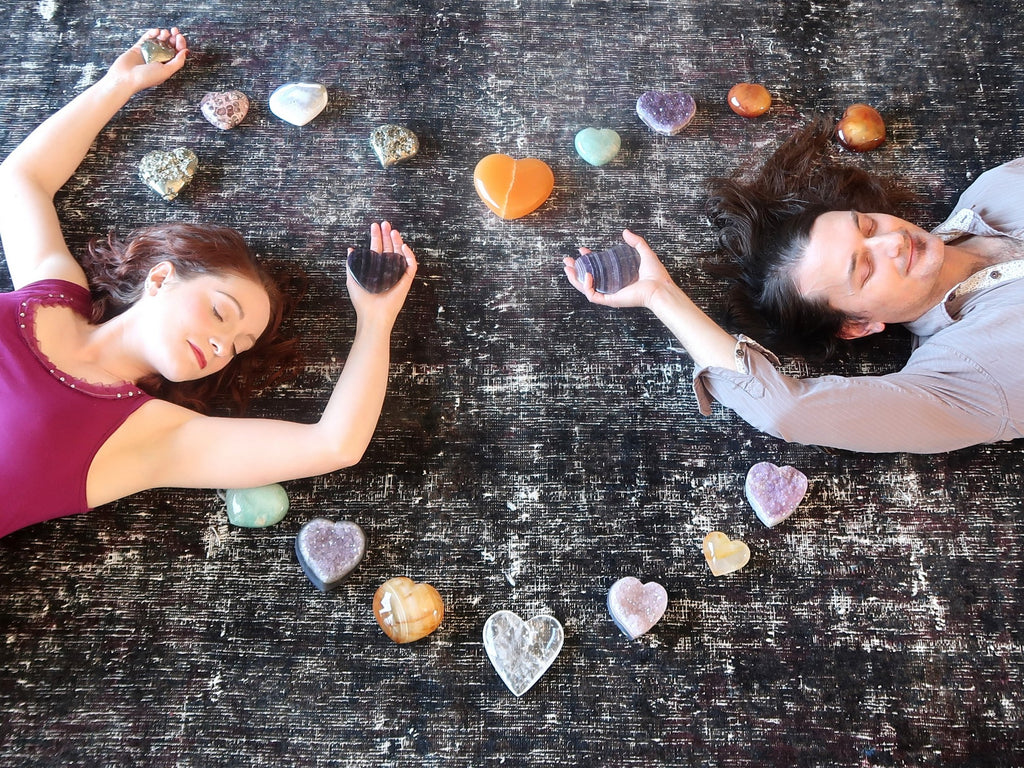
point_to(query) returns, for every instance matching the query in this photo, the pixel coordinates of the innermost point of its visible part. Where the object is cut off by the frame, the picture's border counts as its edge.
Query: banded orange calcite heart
(406, 610)
(513, 188)
(724, 555)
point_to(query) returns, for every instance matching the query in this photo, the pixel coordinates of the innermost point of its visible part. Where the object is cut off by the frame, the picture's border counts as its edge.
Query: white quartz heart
(521, 651)
(298, 103)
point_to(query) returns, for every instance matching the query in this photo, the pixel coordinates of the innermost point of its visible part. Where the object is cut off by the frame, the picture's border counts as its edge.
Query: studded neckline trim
(27, 325)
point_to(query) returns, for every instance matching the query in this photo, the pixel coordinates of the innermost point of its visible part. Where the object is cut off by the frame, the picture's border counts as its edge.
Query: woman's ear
(858, 329)
(158, 275)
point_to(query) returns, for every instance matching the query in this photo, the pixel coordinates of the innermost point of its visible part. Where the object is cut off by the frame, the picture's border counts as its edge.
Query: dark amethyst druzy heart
(613, 268)
(376, 272)
(666, 113)
(328, 550)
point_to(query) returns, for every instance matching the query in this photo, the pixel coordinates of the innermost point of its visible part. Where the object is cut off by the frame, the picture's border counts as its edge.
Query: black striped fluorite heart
(376, 272)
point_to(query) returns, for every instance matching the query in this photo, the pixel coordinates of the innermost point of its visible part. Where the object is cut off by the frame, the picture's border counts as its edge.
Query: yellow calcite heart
(513, 188)
(407, 611)
(724, 555)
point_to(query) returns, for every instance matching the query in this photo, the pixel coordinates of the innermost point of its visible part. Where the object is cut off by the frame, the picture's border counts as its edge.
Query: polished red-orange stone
(749, 99)
(861, 128)
(513, 188)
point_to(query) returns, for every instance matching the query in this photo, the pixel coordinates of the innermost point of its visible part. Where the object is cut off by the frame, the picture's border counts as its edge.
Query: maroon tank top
(51, 424)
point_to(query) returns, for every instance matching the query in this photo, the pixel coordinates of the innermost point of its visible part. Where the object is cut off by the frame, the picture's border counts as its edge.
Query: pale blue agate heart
(598, 145)
(256, 507)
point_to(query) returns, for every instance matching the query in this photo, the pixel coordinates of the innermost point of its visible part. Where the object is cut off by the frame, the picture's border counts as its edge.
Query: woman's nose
(218, 347)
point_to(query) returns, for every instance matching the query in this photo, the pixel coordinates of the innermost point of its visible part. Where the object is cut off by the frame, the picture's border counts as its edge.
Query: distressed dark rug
(533, 448)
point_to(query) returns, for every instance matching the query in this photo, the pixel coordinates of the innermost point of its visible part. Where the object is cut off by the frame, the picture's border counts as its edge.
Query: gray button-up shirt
(963, 383)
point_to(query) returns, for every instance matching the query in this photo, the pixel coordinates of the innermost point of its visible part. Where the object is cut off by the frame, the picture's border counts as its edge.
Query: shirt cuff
(741, 361)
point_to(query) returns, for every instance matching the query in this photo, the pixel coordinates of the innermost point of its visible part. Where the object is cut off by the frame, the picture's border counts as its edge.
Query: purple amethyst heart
(636, 607)
(613, 268)
(666, 113)
(376, 272)
(327, 551)
(774, 492)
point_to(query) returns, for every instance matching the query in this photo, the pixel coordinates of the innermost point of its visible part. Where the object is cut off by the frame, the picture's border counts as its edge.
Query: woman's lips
(200, 357)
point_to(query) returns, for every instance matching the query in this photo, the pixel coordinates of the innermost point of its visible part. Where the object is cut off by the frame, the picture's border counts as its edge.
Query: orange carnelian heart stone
(513, 188)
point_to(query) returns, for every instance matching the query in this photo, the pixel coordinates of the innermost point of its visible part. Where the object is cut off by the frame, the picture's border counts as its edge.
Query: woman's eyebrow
(237, 303)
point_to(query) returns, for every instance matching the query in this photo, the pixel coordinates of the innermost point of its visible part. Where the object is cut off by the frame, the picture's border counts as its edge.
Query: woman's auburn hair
(764, 224)
(117, 271)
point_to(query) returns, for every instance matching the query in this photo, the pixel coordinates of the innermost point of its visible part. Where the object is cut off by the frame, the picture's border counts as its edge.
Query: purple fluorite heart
(376, 272)
(327, 551)
(636, 607)
(613, 268)
(666, 113)
(774, 492)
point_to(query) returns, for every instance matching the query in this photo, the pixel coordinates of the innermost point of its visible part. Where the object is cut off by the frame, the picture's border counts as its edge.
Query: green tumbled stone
(256, 507)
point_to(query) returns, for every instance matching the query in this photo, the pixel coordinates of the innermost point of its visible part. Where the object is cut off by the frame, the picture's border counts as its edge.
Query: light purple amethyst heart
(774, 492)
(636, 607)
(327, 551)
(664, 112)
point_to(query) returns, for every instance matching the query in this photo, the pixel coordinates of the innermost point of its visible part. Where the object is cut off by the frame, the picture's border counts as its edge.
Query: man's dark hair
(764, 224)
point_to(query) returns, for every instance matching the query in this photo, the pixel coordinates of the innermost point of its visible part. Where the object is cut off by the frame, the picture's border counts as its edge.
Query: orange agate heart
(407, 610)
(513, 188)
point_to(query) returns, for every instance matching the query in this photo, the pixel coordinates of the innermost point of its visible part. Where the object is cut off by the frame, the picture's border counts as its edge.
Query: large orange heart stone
(513, 188)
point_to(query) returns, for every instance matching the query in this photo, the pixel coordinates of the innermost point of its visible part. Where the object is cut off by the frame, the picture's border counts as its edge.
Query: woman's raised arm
(31, 175)
(164, 445)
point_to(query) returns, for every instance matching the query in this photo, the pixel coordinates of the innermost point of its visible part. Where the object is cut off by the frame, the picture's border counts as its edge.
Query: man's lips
(200, 357)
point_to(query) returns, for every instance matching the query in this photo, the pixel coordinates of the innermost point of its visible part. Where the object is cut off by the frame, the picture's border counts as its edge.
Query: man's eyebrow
(853, 257)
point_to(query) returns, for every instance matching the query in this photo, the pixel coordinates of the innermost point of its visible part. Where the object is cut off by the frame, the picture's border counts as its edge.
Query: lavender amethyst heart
(635, 606)
(328, 551)
(666, 113)
(774, 492)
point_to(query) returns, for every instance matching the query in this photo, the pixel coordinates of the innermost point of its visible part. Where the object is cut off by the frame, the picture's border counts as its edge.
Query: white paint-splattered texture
(48, 9)
(526, 433)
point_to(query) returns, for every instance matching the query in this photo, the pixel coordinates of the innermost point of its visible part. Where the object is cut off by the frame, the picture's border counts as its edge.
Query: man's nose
(890, 244)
